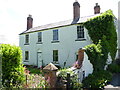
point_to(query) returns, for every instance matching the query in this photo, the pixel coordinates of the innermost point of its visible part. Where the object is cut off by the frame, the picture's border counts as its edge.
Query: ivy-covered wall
(102, 32)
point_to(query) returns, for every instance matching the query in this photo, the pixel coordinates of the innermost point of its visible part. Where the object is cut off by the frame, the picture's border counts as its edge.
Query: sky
(13, 14)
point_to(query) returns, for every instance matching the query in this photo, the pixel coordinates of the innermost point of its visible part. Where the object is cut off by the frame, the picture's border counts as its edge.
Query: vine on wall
(102, 32)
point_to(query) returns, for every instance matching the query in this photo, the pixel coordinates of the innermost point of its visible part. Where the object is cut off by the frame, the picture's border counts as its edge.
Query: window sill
(39, 43)
(55, 41)
(80, 39)
(25, 61)
(26, 44)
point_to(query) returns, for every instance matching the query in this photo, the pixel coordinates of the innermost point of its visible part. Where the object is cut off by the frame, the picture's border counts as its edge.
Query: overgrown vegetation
(96, 56)
(102, 32)
(113, 68)
(102, 28)
(12, 68)
(97, 79)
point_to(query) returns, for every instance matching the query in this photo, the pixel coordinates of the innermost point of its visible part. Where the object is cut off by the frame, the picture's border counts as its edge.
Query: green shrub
(73, 77)
(97, 79)
(0, 67)
(114, 68)
(97, 54)
(63, 73)
(12, 68)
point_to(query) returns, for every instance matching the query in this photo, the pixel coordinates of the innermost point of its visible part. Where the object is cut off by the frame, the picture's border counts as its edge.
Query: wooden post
(68, 81)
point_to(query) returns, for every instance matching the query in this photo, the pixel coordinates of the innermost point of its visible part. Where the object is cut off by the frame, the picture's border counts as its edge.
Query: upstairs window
(55, 55)
(39, 36)
(55, 35)
(80, 32)
(27, 39)
(26, 55)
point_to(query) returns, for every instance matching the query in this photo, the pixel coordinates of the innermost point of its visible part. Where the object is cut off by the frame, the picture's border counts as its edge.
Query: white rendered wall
(119, 29)
(67, 46)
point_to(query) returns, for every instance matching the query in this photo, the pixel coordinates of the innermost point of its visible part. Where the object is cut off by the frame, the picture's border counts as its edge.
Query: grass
(34, 70)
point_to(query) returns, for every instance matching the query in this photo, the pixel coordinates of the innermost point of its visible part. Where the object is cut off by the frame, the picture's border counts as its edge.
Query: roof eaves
(37, 30)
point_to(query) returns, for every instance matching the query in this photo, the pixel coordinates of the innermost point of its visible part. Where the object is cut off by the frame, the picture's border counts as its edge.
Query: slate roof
(59, 24)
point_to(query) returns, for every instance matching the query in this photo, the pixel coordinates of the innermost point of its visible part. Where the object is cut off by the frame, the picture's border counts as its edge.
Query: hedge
(12, 68)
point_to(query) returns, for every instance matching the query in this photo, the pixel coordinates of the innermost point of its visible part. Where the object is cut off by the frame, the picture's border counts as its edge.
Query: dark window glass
(26, 55)
(39, 36)
(55, 55)
(27, 39)
(80, 32)
(55, 35)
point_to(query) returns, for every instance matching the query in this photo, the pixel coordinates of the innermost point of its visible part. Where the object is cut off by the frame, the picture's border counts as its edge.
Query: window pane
(26, 55)
(55, 34)
(39, 36)
(80, 32)
(27, 39)
(55, 55)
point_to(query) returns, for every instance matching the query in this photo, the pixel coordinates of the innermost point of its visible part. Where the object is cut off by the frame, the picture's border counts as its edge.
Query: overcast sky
(13, 14)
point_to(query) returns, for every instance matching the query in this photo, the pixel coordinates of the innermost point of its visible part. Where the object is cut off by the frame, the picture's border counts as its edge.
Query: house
(57, 42)
(118, 57)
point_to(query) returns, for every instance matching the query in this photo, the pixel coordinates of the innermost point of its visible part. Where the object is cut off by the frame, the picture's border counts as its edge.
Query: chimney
(76, 11)
(96, 9)
(29, 22)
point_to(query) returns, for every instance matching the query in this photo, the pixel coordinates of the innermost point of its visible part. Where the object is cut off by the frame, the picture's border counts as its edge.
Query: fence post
(68, 81)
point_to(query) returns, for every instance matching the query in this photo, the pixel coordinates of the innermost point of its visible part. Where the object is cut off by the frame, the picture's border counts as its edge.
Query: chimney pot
(29, 21)
(76, 11)
(96, 9)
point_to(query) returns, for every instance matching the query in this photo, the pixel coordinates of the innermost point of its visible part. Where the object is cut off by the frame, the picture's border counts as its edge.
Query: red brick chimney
(29, 22)
(96, 9)
(76, 11)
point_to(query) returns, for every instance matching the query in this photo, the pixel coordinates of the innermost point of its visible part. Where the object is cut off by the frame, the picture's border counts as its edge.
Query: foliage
(63, 73)
(35, 81)
(34, 70)
(102, 32)
(12, 68)
(114, 68)
(102, 28)
(97, 79)
(73, 76)
(97, 54)
(0, 67)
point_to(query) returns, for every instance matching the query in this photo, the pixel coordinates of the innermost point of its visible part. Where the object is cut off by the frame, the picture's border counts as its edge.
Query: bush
(73, 77)
(12, 68)
(97, 79)
(114, 68)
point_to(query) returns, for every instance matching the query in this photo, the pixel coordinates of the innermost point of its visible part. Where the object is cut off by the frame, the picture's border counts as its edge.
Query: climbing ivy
(102, 32)
(103, 26)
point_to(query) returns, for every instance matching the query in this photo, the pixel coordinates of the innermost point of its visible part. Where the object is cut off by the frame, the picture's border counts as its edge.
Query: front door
(39, 59)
